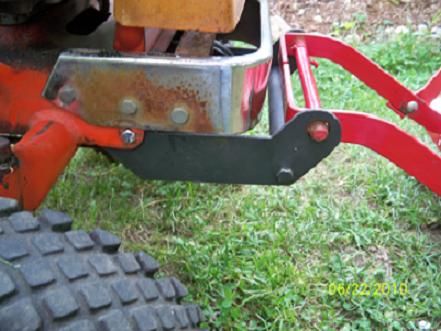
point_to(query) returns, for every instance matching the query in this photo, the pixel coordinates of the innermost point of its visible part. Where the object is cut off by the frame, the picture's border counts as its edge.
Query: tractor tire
(53, 278)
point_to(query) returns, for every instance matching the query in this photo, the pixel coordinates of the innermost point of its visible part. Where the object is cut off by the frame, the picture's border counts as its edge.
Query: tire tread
(53, 278)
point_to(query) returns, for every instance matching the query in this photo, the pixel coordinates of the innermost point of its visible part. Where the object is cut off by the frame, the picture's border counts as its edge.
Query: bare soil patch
(321, 15)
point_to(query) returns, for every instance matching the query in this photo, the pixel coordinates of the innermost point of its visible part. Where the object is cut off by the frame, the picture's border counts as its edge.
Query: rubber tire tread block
(52, 278)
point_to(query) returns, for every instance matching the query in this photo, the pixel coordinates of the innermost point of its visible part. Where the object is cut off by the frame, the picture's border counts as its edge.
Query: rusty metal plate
(216, 16)
(218, 94)
(153, 93)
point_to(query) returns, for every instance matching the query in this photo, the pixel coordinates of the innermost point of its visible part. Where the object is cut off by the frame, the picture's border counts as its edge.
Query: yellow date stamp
(368, 289)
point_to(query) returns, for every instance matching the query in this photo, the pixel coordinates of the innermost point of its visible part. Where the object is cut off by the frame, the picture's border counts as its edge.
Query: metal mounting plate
(220, 94)
(278, 160)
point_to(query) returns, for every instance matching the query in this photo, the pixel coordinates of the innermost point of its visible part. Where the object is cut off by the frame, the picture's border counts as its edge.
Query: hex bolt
(285, 176)
(128, 137)
(128, 107)
(411, 107)
(180, 116)
(318, 131)
(67, 94)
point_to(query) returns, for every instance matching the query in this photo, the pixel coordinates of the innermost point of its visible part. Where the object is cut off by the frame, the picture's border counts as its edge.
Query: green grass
(262, 258)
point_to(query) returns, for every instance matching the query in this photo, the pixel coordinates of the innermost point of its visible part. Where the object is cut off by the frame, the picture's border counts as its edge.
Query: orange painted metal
(216, 16)
(20, 98)
(43, 153)
(129, 39)
(49, 136)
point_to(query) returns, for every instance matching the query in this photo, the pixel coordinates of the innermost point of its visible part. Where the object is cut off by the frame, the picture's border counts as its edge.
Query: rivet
(128, 107)
(180, 116)
(67, 94)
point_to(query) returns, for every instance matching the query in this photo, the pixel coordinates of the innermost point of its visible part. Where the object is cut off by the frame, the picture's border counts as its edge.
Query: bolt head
(67, 94)
(411, 107)
(128, 137)
(128, 107)
(180, 116)
(285, 176)
(318, 131)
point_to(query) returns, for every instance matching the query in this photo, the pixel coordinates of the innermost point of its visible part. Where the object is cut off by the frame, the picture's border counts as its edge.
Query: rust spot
(101, 92)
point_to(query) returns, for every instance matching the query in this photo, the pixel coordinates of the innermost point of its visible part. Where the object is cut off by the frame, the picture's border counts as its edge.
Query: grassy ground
(265, 258)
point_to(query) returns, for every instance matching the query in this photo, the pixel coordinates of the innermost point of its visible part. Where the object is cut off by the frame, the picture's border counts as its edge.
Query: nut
(318, 131)
(128, 137)
(285, 176)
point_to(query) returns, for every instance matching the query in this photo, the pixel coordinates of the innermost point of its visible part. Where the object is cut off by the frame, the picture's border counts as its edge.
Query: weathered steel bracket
(277, 160)
(217, 94)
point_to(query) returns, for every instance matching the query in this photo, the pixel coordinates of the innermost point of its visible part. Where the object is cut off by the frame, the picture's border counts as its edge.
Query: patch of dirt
(375, 259)
(321, 15)
(433, 230)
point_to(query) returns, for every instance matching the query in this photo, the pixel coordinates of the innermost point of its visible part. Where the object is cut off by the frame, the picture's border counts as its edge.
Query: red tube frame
(383, 137)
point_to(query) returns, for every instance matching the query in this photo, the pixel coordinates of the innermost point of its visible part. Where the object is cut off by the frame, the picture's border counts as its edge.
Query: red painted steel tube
(383, 137)
(318, 130)
(431, 93)
(307, 79)
(287, 85)
(396, 145)
(369, 73)
(432, 90)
